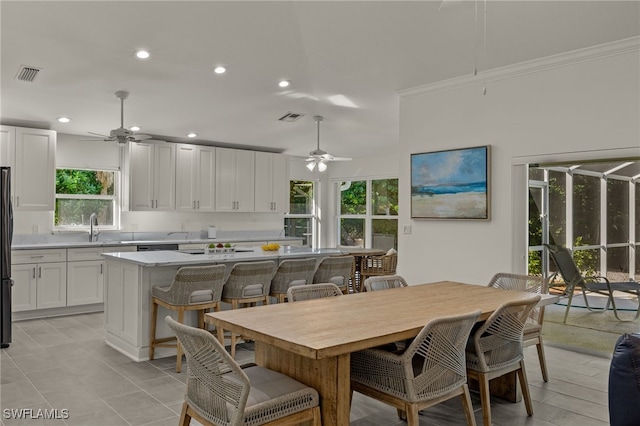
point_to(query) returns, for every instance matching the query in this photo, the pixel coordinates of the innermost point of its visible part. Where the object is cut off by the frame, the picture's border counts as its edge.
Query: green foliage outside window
(81, 193)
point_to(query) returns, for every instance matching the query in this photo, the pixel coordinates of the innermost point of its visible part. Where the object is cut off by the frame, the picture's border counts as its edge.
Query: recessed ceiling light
(135, 128)
(220, 69)
(142, 54)
(64, 119)
(192, 135)
(284, 83)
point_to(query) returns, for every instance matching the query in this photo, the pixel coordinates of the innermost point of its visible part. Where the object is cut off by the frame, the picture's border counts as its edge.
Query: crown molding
(592, 53)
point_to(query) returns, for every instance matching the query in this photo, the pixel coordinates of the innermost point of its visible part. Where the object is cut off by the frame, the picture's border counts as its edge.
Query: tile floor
(63, 363)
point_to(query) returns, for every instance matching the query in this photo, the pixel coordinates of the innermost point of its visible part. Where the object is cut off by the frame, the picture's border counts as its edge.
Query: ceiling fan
(121, 134)
(318, 157)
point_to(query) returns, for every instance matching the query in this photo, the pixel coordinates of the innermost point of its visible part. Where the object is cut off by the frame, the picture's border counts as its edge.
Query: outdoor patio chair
(533, 327)
(574, 279)
(431, 370)
(220, 392)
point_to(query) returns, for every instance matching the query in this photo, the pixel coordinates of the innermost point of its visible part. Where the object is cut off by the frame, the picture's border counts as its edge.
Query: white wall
(583, 106)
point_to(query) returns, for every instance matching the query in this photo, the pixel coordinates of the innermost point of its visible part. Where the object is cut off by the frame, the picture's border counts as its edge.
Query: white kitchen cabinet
(272, 182)
(31, 155)
(40, 279)
(85, 276)
(235, 172)
(195, 178)
(152, 176)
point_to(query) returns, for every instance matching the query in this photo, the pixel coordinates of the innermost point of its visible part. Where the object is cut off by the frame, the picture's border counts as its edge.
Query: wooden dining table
(312, 340)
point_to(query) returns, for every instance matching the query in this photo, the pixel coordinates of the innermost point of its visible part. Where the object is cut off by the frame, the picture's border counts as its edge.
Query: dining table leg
(330, 376)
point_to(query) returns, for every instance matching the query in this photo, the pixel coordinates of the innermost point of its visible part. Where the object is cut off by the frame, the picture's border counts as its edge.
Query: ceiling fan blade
(141, 137)
(99, 134)
(341, 159)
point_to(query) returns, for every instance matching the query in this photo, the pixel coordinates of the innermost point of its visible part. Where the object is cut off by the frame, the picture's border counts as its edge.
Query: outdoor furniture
(574, 279)
(220, 392)
(291, 272)
(315, 291)
(495, 349)
(247, 284)
(384, 282)
(624, 382)
(378, 265)
(533, 327)
(194, 288)
(335, 269)
(431, 370)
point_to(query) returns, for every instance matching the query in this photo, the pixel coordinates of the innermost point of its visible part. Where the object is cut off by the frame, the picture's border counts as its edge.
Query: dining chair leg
(524, 384)
(152, 329)
(402, 415)
(485, 398)
(178, 345)
(317, 417)
(467, 406)
(185, 419)
(412, 415)
(543, 360)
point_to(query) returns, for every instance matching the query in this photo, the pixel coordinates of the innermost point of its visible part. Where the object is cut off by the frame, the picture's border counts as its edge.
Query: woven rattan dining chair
(291, 272)
(335, 269)
(372, 266)
(430, 371)
(220, 392)
(248, 283)
(533, 328)
(495, 349)
(194, 288)
(315, 291)
(384, 282)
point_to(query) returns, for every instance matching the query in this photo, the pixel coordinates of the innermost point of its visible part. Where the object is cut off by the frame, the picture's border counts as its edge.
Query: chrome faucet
(93, 221)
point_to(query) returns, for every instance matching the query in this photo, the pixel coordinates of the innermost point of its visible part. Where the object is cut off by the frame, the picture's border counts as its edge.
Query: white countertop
(177, 258)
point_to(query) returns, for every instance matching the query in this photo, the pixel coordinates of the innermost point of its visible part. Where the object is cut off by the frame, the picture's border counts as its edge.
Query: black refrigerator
(6, 233)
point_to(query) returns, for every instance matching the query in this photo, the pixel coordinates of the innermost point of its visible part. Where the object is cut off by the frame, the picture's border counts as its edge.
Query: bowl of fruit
(220, 248)
(271, 247)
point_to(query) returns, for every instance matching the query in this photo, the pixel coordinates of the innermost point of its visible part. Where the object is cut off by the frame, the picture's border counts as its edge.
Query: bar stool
(247, 284)
(335, 269)
(290, 273)
(194, 288)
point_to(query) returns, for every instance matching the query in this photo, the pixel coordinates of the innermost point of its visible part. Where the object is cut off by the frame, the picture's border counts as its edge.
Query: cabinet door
(141, 176)
(52, 285)
(245, 181)
(85, 281)
(280, 183)
(185, 177)
(7, 142)
(263, 184)
(23, 292)
(205, 178)
(34, 169)
(165, 176)
(225, 179)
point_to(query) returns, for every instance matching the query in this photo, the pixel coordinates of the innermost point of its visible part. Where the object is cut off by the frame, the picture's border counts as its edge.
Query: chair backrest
(197, 284)
(567, 267)
(312, 291)
(334, 269)
(498, 342)
(216, 385)
(529, 283)
(435, 360)
(293, 272)
(249, 279)
(383, 282)
(379, 265)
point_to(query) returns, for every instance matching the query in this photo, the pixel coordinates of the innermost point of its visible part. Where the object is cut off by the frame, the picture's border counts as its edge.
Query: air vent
(291, 116)
(27, 73)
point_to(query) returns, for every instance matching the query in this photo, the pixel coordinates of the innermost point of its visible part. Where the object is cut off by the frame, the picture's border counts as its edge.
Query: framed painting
(451, 184)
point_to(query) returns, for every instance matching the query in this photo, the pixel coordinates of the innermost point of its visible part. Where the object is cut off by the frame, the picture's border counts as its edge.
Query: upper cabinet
(195, 177)
(234, 187)
(152, 173)
(31, 155)
(272, 182)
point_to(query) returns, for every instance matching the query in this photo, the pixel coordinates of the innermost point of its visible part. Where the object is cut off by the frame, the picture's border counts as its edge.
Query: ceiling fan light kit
(318, 157)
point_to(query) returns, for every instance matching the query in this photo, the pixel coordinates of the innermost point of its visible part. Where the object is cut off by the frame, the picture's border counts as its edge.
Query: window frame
(314, 215)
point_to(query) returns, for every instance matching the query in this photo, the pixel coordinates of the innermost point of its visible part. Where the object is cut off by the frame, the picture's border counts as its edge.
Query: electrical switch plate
(407, 230)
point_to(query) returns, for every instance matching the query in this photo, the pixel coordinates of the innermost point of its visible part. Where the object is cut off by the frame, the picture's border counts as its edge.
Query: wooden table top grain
(340, 325)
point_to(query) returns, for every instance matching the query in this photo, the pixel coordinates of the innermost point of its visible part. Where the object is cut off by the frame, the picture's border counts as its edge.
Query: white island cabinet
(130, 276)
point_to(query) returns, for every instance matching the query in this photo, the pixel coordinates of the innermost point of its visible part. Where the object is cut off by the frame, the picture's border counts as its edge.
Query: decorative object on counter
(213, 232)
(271, 247)
(219, 248)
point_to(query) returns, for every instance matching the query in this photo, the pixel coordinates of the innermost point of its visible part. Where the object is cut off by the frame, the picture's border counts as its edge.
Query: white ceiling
(335, 53)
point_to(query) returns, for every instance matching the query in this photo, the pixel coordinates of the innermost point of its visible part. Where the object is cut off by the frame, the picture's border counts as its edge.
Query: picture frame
(451, 184)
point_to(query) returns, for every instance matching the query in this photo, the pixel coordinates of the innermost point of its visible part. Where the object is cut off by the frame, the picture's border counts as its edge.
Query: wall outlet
(407, 230)
(182, 226)
(34, 229)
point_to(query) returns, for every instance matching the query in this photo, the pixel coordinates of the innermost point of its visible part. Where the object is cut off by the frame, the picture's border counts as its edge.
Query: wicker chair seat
(192, 285)
(249, 279)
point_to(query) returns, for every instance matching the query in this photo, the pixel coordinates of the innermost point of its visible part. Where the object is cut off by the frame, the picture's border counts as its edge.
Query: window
(301, 221)
(368, 213)
(79, 193)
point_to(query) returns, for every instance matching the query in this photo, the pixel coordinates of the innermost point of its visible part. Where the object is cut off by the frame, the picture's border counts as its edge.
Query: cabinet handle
(198, 204)
(33, 256)
(40, 272)
(34, 272)
(101, 266)
(17, 201)
(194, 204)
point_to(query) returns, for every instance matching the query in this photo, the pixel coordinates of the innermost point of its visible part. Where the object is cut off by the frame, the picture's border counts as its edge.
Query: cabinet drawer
(38, 256)
(85, 253)
(117, 249)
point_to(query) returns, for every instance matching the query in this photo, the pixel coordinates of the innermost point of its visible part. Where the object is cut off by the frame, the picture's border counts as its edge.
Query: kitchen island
(129, 277)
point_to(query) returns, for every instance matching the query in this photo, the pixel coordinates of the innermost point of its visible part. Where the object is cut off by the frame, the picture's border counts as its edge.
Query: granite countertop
(179, 258)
